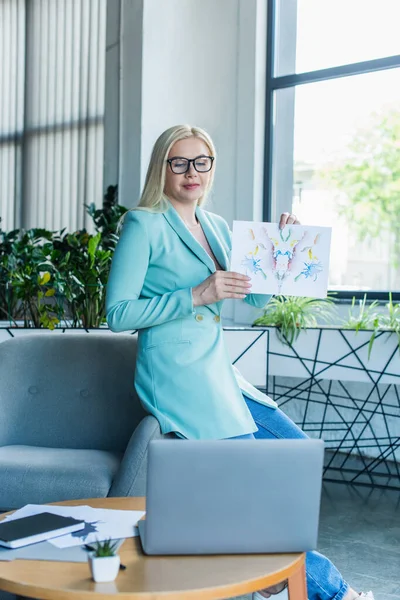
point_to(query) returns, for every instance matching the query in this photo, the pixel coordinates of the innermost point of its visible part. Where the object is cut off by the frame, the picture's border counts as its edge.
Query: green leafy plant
(28, 271)
(107, 218)
(104, 549)
(370, 318)
(291, 315)
(8, 300)
(392, 320)
(49, 277)
(82, 271)
(367, 318)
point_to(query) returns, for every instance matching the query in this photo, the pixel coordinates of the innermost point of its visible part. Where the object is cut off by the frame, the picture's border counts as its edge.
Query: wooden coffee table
(154, 578)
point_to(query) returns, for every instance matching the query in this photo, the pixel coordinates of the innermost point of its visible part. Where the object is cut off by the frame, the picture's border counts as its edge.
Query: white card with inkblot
(293, 261)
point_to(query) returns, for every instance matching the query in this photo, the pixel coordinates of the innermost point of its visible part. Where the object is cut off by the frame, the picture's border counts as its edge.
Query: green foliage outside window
(369, 177)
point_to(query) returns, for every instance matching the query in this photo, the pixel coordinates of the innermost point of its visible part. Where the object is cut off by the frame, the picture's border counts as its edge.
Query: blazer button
(199, 318)
(217, 319)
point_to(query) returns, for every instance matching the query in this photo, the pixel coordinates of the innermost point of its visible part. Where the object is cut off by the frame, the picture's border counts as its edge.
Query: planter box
(8, 332)
(336, 354)
(328, 386)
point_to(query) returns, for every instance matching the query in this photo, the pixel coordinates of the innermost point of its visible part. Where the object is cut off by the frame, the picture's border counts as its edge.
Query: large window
(333, 132)
(52, 79)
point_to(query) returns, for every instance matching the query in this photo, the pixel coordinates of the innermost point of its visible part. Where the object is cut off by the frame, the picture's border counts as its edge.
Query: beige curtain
(52, 78)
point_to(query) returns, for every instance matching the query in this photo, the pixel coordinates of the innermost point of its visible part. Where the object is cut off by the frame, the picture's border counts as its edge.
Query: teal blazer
(183, 376)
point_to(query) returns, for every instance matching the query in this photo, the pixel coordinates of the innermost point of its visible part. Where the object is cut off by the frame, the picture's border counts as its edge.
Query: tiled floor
(360, 533)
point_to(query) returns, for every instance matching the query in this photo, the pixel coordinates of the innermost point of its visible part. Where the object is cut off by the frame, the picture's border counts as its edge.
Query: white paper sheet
(101, 523)
(293, 261)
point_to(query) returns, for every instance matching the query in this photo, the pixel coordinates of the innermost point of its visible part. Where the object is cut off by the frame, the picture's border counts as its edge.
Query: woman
(169, 277)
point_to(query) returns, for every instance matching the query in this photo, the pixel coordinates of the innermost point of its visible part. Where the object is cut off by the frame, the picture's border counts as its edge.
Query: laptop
(232, 496)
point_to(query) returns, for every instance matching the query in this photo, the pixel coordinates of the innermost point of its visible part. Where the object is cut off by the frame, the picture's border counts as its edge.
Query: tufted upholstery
(71, 424)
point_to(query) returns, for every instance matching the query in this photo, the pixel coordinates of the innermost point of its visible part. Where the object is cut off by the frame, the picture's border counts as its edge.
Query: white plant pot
(104, 568)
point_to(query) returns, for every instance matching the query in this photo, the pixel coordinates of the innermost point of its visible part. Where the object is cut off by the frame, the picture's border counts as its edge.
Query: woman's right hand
(219, 286)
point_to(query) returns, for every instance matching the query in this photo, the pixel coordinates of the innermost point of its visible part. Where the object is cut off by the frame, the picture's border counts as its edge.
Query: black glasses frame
(190, 160)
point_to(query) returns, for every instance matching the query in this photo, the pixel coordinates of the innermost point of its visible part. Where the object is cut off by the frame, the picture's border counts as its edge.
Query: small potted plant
(103, 561)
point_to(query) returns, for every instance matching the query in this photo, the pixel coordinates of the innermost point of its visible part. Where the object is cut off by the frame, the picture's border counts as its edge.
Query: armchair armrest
(131, 477)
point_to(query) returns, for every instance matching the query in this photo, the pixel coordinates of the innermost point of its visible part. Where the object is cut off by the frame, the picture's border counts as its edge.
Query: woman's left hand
(288, 219)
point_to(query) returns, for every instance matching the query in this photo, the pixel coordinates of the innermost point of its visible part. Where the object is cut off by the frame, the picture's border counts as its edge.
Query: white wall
(201, 63)
(112, 95)
(189, 76)
(130, 122)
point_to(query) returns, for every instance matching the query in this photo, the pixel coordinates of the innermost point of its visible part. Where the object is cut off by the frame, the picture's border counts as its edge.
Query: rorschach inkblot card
(293, 261)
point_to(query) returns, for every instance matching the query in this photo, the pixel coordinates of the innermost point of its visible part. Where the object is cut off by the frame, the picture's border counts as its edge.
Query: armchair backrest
(69, 390)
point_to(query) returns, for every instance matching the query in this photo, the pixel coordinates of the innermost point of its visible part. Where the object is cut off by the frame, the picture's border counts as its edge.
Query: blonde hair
(153, 198)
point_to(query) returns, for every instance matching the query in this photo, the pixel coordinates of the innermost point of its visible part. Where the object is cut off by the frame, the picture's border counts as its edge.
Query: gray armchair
(71, 424)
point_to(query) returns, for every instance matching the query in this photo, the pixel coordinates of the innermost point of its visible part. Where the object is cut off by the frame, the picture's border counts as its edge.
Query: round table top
(148, 577)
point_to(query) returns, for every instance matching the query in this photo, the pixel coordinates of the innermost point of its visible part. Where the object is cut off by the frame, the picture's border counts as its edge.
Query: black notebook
(36, 528)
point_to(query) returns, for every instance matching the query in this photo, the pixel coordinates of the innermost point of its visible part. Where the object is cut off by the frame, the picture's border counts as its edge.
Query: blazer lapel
(213, 239)
(180, 228)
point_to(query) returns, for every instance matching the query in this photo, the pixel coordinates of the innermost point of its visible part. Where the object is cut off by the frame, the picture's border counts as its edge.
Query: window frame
(280, 82)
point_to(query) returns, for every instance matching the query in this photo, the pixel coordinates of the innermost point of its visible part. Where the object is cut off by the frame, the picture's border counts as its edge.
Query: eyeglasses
(180, 165)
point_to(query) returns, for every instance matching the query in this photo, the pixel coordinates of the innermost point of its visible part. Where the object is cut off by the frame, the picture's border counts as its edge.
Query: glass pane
(346, 172)
(320, 34)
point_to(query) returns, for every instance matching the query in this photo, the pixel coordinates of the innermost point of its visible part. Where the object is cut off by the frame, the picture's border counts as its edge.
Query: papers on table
(100, 523)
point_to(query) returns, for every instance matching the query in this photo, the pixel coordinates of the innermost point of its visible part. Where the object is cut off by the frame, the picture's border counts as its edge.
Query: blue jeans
(324, 582)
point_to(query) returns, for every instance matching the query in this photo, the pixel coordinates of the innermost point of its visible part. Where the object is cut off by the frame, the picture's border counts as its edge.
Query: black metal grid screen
(359, 422)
